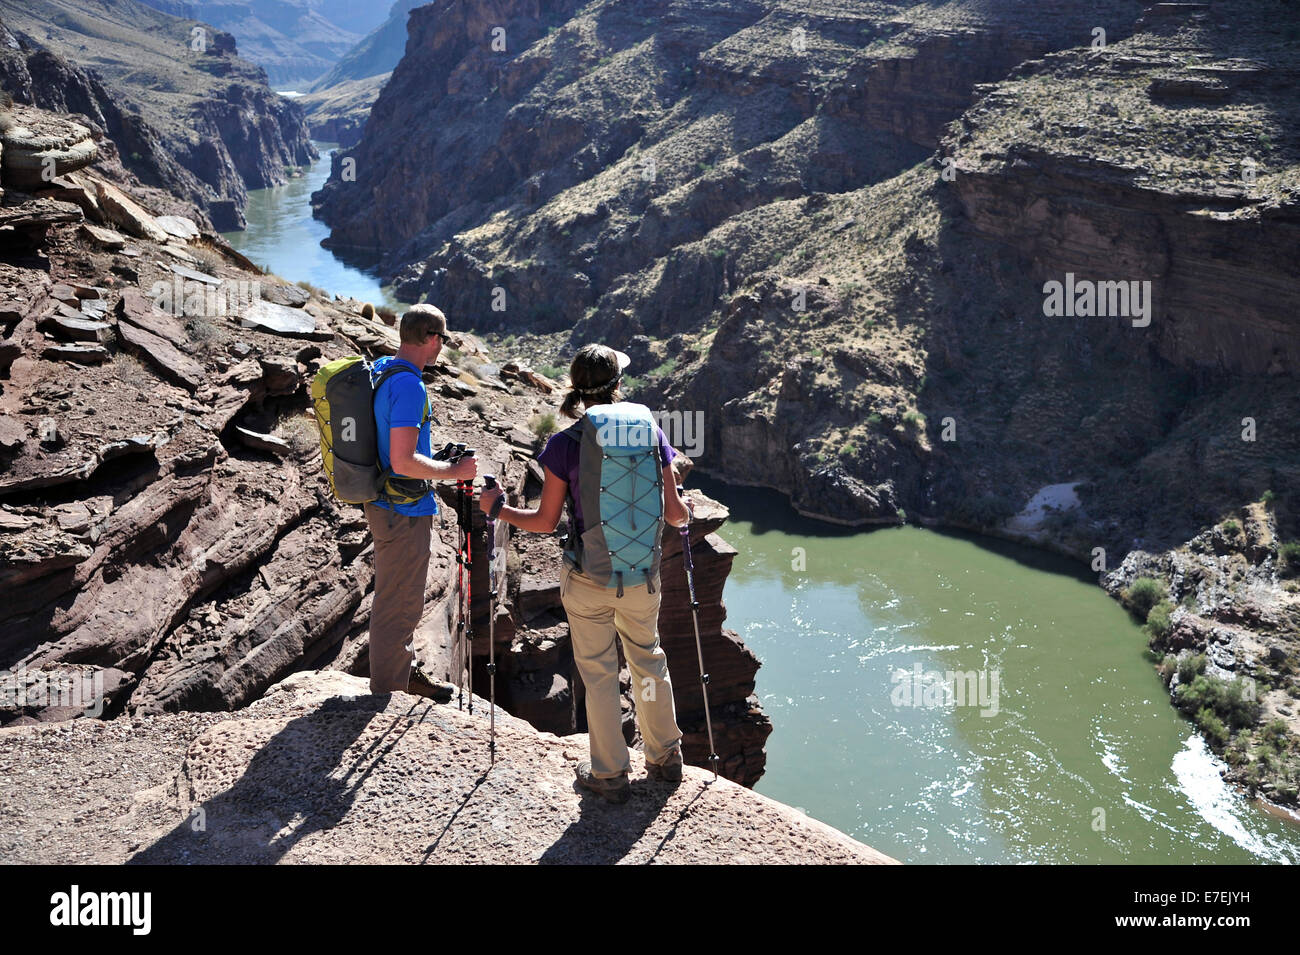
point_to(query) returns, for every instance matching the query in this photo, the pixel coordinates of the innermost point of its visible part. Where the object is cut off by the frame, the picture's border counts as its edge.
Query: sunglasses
(446, 340)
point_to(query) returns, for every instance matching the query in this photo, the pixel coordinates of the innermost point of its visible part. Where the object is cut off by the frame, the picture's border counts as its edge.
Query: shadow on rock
(605, 833)
(303, 780)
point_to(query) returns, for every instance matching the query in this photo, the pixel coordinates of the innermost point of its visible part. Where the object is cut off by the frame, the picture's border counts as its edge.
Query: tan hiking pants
(401, 566)
(595, 616)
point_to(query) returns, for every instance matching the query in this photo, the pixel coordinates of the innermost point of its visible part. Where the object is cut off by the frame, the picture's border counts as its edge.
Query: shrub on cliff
(1228, 700)
(1289, 556)
(543, 425)
(1190, 666)
(1158, 619)
(1211, 725)
(1143, 594)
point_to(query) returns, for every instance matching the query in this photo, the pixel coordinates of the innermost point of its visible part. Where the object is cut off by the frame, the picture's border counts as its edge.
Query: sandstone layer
(318, 771)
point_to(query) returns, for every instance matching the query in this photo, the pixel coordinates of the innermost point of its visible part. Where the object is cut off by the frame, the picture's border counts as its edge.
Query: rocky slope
(199, 123)
(831, 228)
(339, 102)
(319, 771)
(338, 114)
(295, 41)
(376, 53)
(167, 539)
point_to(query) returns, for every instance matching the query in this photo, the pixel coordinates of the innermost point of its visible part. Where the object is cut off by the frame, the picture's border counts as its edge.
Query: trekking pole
(458, 652)
(489, 483)
(469, 585)
(695, 617)
(443, 455)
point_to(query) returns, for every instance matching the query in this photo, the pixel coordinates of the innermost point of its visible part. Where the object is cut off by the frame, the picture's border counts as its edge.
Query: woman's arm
(540, 520)
(675, 510)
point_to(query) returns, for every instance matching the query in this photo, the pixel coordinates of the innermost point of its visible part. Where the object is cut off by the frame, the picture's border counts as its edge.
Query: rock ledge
(319, 771)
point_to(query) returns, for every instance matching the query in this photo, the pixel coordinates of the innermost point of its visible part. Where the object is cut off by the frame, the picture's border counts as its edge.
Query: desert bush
(208, 260)
(1226, 699)
(1143, 594)
(301, 433)
(543, 425)
(201, 331)
(1190, 666)
(314, 290)
(1158, 619)
(1289, 553)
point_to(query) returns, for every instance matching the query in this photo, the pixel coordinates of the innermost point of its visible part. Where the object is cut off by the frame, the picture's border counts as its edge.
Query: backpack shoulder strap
(397, 368)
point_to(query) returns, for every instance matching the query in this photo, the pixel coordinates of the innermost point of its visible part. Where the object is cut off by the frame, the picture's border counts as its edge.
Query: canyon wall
(201, 124)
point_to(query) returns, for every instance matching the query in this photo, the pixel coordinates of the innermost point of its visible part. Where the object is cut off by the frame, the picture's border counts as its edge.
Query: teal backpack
(620, 478)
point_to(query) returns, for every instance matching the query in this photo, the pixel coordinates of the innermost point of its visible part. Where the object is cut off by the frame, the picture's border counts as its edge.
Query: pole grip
(681, 492)
(489, 481)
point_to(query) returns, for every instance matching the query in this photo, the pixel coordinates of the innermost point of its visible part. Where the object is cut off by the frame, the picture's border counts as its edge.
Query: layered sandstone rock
(318, 771)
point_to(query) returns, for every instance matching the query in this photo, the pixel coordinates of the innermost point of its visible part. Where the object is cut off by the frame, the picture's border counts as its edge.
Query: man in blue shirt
(403, 532)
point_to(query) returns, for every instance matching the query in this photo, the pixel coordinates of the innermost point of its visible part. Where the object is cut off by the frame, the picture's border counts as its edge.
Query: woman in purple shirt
(594, 611)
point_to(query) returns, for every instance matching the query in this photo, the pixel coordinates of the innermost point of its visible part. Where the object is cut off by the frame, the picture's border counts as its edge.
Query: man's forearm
(420, 466)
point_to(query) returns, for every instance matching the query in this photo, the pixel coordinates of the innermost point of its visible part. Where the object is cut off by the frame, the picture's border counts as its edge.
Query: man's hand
(466, 469)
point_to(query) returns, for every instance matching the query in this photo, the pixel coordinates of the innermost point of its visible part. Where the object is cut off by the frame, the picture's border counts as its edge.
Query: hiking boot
(420, 684)
(668, 771)
(617, 790)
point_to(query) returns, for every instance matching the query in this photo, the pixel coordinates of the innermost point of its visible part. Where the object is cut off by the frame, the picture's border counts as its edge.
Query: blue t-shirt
(403, 402)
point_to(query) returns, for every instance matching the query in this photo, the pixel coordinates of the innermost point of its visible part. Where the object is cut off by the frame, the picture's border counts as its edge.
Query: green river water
(1077, 757)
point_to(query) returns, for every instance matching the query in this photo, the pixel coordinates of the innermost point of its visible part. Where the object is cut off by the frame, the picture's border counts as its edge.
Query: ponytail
(594, 378)
(571, 401)
(574, 398)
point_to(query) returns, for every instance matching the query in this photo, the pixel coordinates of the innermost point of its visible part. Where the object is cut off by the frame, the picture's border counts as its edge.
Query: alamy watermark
(931, 689)
(203, 299)
(683, 429)
(1085, 298)
(38, 689)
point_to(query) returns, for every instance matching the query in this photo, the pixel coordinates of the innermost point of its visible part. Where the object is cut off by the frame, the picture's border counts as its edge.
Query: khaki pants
(595, 616)
(401, 566)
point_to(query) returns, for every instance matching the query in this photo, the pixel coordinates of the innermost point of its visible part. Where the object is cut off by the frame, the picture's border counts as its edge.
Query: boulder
(180, 227)
(123, 211)
(264, 442)
(157, 336)
(78, 329)
(41, 146)
(288, 295)
(77, 352)
(280, 320)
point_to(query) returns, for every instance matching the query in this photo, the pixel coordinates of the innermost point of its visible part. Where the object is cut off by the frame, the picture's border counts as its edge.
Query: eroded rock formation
(319, 771)
(219, 132)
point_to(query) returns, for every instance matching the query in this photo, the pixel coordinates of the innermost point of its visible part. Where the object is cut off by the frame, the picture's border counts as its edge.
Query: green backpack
(620, 480)
(343, 398)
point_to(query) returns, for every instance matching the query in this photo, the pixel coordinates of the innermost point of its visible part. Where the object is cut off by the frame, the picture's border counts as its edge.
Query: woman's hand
(486, 498)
